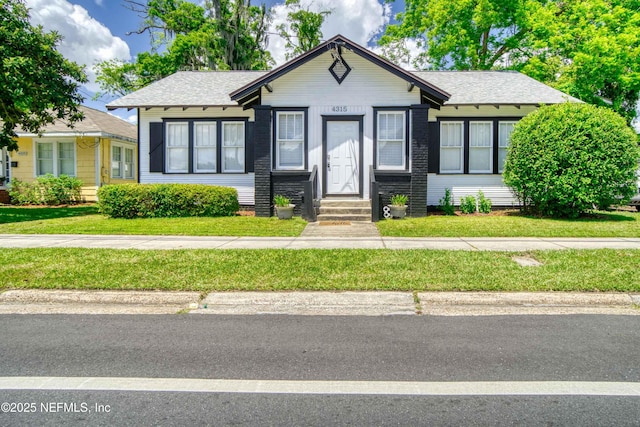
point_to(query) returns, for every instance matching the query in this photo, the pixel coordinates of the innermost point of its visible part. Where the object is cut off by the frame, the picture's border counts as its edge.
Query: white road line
(454, 388)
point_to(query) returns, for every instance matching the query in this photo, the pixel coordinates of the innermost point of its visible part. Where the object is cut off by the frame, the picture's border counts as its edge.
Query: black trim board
(407, 153)
(219, 121)
(340, 118)
(305, 160)
(434, 166)
(433, 94)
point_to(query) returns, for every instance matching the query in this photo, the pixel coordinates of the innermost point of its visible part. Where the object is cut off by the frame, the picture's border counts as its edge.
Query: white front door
(343, 154)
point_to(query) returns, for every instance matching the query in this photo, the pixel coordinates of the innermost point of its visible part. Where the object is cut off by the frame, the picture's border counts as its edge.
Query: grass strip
(226, 270)
(86, 220)
(513, 224)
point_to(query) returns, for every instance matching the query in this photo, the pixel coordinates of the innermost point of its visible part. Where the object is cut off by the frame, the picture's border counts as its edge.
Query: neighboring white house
(332, 121)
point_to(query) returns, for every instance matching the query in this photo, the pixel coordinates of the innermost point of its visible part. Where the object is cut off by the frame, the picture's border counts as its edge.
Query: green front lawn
(87, 220)
(513, 224)
(225, 270)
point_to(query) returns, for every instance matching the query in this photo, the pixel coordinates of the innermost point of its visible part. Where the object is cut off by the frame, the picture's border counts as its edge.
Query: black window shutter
(156, 147)
(434, 147)
(248, 148)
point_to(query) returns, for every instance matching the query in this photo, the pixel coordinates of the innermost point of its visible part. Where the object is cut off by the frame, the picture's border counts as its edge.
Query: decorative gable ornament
(339, 69)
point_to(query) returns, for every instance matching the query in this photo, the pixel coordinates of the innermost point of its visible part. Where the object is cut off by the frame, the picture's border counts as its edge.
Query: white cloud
(357, 20)
(85, 40)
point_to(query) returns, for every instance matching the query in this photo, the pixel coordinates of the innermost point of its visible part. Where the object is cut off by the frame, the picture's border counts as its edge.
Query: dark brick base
(291, 185)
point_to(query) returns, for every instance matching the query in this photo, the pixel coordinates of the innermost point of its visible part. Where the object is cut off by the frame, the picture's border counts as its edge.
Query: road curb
(372, 303)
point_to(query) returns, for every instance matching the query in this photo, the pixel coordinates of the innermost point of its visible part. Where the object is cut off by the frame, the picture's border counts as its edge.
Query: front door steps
(339, 209)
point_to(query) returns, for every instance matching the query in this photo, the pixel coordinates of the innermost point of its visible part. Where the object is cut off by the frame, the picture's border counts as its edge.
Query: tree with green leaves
(302, 29)
(37, 84)
(589, 49)
(219, 35)
(567, 159)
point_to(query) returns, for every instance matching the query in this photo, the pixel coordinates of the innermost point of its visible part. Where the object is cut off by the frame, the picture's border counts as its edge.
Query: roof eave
(250, 90)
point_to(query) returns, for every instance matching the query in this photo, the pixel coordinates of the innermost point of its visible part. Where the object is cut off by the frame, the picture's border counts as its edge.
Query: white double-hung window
(204, 135)
(233, 147)
(121, 162)
(480, 147)
(177, 147)
(451, 147)
(290, 140)
(391, 140)
(504, 136)
(57, 158)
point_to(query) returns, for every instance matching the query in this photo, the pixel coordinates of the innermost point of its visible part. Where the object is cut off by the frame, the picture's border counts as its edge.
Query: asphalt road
(583, 352)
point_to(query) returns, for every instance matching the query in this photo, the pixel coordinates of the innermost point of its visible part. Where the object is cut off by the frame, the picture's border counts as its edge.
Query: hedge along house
(336, 122)
(98, 150)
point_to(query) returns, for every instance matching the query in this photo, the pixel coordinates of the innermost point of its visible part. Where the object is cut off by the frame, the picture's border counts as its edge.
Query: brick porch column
(262, 160)
(419, 159)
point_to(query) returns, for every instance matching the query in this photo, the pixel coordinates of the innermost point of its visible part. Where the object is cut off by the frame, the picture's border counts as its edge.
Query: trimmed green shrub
(567, 159)
(47, 190)
(446, 203)
(166, 200)
(468, 204)
(484, 204)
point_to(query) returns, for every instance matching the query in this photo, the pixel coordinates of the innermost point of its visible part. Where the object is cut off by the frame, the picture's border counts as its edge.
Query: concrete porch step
(345, 210)
(337, 203)
(344, 217)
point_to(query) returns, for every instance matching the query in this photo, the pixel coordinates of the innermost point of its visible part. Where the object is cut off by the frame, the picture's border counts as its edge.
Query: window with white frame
(391, 140)
(128, 163)
(121, 162)
(451, 147)
(204, 135)
(177, 147)
(290, 140)
(504, 136)
(56, 158)
(232, 146)
(116, 161)
(480, 147)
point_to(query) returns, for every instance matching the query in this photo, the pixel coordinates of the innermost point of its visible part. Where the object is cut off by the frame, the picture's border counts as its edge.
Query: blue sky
(96, 30)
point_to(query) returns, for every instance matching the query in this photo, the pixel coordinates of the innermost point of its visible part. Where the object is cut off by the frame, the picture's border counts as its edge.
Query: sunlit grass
(225, 270)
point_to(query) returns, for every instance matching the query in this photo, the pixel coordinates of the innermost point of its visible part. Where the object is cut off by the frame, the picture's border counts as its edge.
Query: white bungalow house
(336, 122)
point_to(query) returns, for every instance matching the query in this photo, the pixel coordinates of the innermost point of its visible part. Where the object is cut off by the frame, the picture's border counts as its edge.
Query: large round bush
(566, 159)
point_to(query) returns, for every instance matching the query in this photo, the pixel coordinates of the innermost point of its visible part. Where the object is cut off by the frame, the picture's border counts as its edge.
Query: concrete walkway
(318, 303)
(519, 244)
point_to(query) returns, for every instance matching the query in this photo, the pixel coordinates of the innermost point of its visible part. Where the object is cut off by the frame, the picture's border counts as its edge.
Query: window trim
(460, 149)
(405, 143)
(191, 170)
(55, 156)
(514, 122)
(223, 147)
(490, 147)
(196, 147)
(465, 152)
(278, 140)
(275, 158)
(124, 148)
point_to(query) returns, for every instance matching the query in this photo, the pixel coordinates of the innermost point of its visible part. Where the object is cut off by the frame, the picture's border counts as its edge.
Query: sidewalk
(318, 303)
(519, 244)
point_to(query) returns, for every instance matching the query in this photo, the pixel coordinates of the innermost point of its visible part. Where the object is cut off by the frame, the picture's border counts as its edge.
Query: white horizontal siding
(243, 183)
(463, 185)
(367, 85)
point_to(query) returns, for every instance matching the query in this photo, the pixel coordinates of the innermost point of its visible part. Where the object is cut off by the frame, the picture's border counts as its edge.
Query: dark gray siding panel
(434, 147)
(248, 145)
(156, 147)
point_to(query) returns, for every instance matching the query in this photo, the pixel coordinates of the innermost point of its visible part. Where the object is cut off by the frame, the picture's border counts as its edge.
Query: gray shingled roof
(94, 122)
(493, 88)
(209, 88)
(189, 89)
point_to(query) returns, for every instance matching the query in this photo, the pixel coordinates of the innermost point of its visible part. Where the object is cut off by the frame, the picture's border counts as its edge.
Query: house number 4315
(339, 109)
